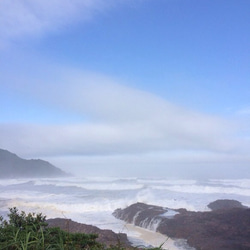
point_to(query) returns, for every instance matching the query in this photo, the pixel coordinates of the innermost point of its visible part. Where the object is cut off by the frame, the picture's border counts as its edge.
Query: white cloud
(22, 18)
(123, 124)
(121, 120)
(125, 127)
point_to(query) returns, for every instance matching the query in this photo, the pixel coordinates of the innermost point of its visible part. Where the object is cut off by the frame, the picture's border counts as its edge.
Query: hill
(12, 166)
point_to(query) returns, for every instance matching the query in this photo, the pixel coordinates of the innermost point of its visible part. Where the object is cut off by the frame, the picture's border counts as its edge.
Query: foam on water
(206, 189)
(242, 183)
(92, 185)
(169, 214)
(92, 200)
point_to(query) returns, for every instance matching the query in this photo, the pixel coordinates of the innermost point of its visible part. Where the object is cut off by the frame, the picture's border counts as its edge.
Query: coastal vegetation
(30, 231)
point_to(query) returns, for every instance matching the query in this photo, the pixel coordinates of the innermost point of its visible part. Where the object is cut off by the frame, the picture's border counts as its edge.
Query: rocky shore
(107, 237)
(225, 227)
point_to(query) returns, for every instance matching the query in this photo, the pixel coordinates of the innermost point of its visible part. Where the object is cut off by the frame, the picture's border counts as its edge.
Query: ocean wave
(242, 183)
(198, 189)
(85, 199)
(10, 182)
(92, 185)
(166, 182)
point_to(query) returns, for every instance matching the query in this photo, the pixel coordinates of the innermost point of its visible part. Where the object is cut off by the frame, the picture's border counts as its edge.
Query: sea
(93, 200)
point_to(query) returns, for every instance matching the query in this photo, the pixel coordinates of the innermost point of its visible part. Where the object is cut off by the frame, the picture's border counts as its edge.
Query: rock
(217, 230)
(225, 204)
(137, 213)
(107, 237)
(223, 229)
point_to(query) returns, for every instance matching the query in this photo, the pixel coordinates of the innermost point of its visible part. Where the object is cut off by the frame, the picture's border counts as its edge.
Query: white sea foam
(242, 183)
(206, 189)
(169, 214)
(8, 182)
(166, 182)
(92, 200)
(91, 184)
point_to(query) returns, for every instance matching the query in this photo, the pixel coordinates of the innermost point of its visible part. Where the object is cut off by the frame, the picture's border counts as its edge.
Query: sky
(147, 88)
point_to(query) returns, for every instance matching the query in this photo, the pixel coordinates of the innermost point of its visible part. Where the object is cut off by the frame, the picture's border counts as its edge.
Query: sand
(149, 237)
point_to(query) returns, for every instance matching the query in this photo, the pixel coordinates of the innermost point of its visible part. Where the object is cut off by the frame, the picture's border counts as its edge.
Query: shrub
(31, 232)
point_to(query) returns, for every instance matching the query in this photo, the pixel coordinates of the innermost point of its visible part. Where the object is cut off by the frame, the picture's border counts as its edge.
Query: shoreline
(226, 226)
(131, 236)
(150, 238)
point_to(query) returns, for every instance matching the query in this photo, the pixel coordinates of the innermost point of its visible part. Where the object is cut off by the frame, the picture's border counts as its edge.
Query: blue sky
(135, 87)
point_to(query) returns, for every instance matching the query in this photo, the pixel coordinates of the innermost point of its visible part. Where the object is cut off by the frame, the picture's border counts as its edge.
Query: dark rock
(224, 229)
(138, 212)
(225, 204)
(217, 230)
(107, 237)
(12, 166)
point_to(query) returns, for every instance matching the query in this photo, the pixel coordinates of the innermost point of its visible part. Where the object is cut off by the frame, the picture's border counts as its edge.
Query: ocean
(92, 200)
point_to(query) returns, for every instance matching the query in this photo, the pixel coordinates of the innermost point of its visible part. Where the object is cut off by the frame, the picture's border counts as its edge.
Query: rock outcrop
(12, 166)
(225, 204)
(223, 229)
(107, 237)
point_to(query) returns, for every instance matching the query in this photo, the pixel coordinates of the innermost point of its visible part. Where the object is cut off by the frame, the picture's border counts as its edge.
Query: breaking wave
(92, 200)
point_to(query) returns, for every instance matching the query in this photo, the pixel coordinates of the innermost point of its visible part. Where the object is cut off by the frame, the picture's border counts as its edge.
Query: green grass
(31, 232)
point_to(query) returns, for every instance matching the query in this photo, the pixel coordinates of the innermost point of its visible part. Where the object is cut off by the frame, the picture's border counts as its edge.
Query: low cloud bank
(123, 124)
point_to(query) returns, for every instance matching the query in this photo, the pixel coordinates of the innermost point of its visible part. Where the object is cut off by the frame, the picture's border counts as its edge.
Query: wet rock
(217, 230)
(138, 212)
(225, 204)
(223, 229)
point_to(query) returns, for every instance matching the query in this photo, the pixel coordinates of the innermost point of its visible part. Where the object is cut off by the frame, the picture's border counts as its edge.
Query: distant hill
(12, 166)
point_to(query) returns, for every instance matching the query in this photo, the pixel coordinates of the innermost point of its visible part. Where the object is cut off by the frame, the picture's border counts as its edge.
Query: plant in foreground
(31, 232)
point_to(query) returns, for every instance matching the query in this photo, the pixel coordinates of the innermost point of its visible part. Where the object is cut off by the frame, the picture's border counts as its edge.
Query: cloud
(29, 18)
(117, 126)
(120, 120)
